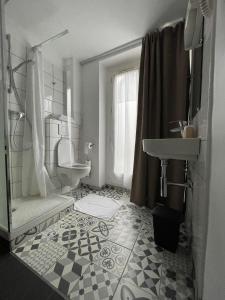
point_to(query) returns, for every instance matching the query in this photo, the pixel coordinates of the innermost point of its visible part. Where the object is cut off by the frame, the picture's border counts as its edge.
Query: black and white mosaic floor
(89, 258)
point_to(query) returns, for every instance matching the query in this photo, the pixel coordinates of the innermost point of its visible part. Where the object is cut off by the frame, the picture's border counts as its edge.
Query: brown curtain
(163, 97)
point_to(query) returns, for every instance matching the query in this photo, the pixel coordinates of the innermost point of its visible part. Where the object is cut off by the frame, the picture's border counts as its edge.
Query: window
(125, 118)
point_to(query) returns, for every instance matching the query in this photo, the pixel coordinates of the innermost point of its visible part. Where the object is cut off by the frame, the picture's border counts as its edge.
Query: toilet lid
(66, 155)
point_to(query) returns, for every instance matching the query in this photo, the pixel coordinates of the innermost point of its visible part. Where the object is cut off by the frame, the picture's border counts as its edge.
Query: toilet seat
(69, 171)
(77, 166)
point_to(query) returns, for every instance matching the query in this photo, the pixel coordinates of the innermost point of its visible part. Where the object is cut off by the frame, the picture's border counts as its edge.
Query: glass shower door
(4, 195)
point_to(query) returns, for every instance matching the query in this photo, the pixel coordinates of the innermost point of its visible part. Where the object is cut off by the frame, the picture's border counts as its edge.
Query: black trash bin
(166, 222)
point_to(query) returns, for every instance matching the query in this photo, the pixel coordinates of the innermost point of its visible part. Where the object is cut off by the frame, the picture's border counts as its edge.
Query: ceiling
(95, 26)
(127, 56)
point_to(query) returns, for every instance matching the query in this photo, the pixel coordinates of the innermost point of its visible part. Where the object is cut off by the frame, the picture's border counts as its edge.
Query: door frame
(5, 232)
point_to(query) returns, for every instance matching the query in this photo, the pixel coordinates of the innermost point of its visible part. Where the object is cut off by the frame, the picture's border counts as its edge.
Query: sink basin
(181, 149)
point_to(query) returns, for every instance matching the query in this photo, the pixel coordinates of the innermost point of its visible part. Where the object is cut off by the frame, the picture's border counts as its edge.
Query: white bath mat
(97, 206)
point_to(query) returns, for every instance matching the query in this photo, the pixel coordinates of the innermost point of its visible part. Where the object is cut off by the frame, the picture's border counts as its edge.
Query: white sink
(181, 149)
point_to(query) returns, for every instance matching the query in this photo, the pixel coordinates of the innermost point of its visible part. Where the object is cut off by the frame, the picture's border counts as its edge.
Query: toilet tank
(65, 152)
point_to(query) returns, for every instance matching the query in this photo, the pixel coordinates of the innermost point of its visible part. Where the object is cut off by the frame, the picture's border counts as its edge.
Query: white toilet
(69, 171)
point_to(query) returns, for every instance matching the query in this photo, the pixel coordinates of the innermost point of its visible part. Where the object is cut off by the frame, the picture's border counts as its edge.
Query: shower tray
(30, 212)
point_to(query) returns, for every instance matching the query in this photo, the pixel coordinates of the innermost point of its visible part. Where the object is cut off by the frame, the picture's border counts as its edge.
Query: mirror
(196, 81)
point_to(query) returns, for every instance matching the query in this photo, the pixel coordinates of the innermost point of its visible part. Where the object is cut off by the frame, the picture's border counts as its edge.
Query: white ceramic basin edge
(179, 148)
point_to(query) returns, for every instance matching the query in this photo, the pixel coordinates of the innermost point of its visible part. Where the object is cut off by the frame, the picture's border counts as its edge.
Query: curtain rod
(54, 37)
(128, 46)
(114, 51)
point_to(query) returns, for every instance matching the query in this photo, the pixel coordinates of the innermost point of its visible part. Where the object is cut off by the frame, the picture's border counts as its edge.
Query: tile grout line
(105, 239)
(38, 275)
(127, 262)
(66, 250)
(131, 250)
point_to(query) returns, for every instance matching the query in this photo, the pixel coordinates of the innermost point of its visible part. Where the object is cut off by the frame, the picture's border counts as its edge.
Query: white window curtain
(125, 119)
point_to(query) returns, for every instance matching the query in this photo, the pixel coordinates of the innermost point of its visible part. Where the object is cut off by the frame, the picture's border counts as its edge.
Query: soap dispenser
(188, 132)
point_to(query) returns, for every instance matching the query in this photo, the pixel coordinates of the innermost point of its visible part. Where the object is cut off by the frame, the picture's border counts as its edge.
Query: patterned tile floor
(88, 258)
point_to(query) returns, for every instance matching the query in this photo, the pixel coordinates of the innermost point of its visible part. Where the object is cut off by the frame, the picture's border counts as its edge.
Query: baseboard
(196, 291)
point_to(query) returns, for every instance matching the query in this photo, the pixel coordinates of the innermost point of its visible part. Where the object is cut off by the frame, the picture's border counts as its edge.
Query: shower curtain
(35, 179)
(163, 97)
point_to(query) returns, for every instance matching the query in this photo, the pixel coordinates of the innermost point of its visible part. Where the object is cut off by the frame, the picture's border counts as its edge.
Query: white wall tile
(52, 121)
(52, 143)
(58, 96)
(58, 73)
(75, 132)
(58, 85)
(48, 80)
(52, 130)
(48, 93)
(16, 190)
(14, 106)
(16, 174)
(48, 67)
(46, 105)
(57, 108)
(64, 131)
(51, 157)
(46, 114)
(19, 49)
(77, 119)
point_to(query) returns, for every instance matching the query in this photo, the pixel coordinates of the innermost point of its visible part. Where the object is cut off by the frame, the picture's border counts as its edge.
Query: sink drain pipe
(163, 179)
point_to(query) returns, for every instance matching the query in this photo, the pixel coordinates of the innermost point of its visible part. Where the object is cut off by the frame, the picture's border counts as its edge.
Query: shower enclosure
(5, 223)
(31, 195)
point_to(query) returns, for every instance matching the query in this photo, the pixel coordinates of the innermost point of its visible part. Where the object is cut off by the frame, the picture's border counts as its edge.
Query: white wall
(214, 280)
(198, 199)
(200, 169)
(72, 76)
(95, 103)
(208, 204)
(25, 37)
(102, 125)
(76, 88)
(3, 195)
(90, 118)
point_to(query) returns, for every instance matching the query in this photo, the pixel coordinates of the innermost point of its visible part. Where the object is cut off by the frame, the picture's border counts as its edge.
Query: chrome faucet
(181, 124)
